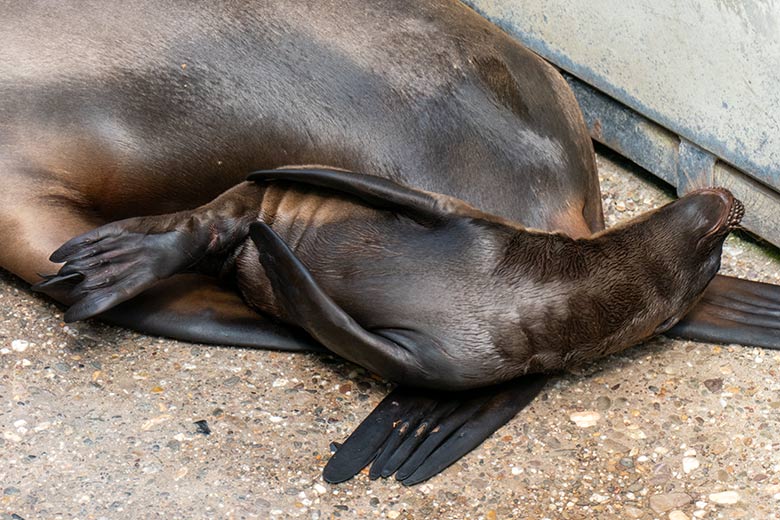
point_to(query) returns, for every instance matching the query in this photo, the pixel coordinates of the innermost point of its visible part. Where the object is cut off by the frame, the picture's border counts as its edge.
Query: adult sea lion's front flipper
(734, 311)
(417, 434)
(198, 308)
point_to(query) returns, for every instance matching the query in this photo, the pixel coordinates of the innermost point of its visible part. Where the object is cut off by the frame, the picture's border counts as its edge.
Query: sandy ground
(98, 422)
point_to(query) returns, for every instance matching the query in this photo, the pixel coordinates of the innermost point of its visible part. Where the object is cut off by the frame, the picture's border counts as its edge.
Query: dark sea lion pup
(415, 286)
(420, 288)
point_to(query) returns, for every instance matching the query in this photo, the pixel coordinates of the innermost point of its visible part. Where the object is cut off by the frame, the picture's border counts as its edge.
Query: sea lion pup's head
(635, 280)
(678, 247)
(431, 290)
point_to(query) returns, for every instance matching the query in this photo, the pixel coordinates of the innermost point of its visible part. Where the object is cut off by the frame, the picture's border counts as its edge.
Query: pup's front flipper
(417, 434)
(306, 304)
(734, 311)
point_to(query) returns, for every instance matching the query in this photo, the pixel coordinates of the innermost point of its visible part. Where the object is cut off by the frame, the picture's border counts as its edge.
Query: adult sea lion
(156, 110)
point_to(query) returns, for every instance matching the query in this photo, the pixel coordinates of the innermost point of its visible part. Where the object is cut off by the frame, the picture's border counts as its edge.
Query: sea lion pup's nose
(719, 208)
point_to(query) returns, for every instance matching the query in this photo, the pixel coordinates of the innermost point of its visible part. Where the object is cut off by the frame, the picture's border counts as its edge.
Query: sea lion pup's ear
(307, 305)
(422, 206)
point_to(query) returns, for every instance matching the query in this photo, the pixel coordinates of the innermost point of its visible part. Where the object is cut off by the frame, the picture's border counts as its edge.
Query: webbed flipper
(733, 310)
(422, 206)
(126, 271)
(307, 305)
(113, 263)
(417, 434)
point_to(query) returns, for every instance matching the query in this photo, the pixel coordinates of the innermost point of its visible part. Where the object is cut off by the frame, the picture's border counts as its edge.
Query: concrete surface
(98, 422)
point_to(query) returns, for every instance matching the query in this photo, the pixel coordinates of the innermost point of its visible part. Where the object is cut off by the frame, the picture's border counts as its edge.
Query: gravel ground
(99, 422)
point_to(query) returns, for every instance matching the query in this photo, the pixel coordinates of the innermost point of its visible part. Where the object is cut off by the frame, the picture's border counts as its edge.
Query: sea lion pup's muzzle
(713, 212)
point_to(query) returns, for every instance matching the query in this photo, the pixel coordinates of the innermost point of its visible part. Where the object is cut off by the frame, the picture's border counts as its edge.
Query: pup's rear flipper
(126, 271)
(734, 311)
(417, 434)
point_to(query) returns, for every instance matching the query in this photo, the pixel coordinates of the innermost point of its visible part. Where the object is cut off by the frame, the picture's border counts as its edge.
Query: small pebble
(669, 501)
(689, 464)
(154, 421)
(393, 514)
(714, 385)
(231, 381)
(11, 436)
(585, 419)
(202, 427)
(20, 345)
(725, 497)
(678, 515)
(635, 433)
(42, 426)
